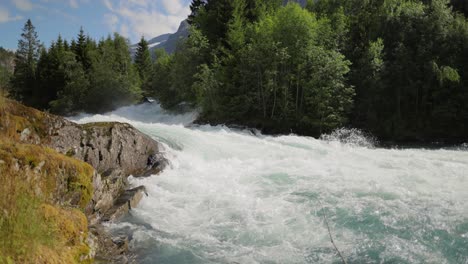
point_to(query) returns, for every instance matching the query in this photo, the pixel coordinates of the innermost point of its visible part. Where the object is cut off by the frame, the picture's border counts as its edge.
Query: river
(234, 196)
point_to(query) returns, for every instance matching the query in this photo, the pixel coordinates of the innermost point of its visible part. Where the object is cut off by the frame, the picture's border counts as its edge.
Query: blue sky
(131, 18)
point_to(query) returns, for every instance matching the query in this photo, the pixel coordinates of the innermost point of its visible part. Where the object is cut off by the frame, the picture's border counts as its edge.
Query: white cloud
(108, 4)
(111, 20)
(148, 18)
(23, 5)
(74, 3)
(174, 7)
(5, 16)
(124, 30)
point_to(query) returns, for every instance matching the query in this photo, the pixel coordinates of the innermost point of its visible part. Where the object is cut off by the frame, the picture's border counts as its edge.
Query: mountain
(167, 42)
(171, 43)
(159, 39)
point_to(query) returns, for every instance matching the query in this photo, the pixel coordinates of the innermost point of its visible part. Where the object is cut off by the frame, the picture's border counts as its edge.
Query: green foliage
(6, 70)
(143, 64)
(174, 75)
(206, 86)
(212, 19)
(26, 58)
(82, 49)
(71, 97)
(161, 80)
(406, 66)
(82, 76)
(272, 70)
(114, 80)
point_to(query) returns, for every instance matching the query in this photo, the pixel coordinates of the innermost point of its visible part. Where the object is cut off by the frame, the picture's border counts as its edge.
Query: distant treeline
(395, 68)
(81, 75)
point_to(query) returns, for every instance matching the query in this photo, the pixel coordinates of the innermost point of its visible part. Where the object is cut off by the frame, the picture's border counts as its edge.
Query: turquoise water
(236, 197)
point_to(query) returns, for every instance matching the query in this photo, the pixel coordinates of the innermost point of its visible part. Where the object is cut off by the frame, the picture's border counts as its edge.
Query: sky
(99, 18)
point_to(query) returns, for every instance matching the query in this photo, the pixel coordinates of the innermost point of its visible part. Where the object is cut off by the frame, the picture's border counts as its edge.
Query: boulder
(110, 146)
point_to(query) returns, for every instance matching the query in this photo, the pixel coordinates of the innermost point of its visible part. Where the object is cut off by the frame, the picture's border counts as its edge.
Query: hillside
(52, 200)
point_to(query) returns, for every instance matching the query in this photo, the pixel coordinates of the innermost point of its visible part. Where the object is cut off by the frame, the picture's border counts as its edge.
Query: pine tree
(27, 56)
(73, 45)
(66, 46)
(195, 8)
(143, 62)
(6, 69)
(60, 44)
(81, 50)
(50, 72)
(113, 79)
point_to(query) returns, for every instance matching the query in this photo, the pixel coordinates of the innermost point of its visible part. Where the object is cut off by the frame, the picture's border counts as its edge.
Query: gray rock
(27, 136)
(110, 146)
(115, 150)
(124, 203)
(110, 249)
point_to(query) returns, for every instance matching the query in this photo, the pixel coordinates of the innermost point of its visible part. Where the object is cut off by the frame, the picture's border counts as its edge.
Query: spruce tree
(27, 56)
(6, 69)
(73, 45)
(143, 62)
(66, 46)
(81, 50)
(195, 8)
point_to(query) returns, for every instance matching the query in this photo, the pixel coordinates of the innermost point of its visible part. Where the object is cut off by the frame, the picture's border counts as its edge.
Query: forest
(397, 69)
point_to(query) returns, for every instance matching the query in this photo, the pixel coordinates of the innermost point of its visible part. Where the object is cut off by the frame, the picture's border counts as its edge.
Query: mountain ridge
(168, 41)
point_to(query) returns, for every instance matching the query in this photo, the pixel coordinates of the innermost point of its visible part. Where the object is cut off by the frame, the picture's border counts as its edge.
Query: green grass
(33, 227)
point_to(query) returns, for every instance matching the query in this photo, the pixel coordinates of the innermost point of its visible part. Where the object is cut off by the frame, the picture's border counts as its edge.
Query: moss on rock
(42, 198)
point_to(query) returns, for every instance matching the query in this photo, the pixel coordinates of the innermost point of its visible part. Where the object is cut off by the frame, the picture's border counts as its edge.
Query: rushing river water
(235, 197)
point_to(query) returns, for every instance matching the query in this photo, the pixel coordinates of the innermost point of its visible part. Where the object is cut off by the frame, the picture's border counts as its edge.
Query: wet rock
(107, 188)
(110, 249)
(122, 244)
(124, 203)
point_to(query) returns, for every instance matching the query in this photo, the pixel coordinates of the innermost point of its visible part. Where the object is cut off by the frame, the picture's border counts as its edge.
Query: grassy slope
(42, 194)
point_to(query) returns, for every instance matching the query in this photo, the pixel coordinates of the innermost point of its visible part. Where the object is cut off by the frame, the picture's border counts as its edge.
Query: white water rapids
(230, 196)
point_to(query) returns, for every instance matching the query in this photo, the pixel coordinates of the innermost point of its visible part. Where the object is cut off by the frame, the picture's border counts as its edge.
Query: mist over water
(230, 196)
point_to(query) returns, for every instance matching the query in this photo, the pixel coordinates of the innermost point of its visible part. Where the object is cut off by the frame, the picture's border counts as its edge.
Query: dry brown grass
(38, 223)
(15, 117)
(34, 228)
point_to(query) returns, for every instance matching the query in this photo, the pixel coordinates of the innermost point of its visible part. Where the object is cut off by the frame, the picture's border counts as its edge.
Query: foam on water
(233, 197)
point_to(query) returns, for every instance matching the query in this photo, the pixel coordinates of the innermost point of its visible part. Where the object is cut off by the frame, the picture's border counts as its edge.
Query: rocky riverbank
(79, 168)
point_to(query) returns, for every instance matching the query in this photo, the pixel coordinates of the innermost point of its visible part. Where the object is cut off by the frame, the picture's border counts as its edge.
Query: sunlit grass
(42, 195)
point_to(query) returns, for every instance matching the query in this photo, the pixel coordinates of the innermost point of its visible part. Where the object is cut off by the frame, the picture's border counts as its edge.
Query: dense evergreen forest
(81, 75)
(395, 68)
